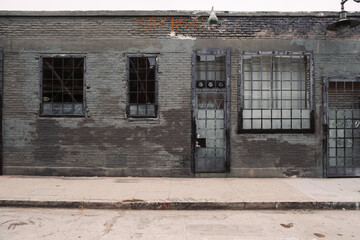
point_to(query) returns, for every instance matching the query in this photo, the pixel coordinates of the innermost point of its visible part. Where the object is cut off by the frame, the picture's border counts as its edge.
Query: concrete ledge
(171, 13)
(141, 205)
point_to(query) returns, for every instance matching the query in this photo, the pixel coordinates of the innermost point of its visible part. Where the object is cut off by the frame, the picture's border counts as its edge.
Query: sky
(219, 5)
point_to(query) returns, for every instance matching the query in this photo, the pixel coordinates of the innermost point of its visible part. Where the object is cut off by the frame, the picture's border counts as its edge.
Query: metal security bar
(276, 92)
(142, 86)
(342, 118)
(62, 86)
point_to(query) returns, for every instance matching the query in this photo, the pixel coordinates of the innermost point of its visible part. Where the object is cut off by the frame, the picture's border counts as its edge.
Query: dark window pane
(151, 74)
(133, 97)
(133, 86)
(78, 85)
(142, 74)
(78, 97)
(58, 97)
(151, 98)
(150, 85)
(47, 63)
(68, 84)
(78, 73)
(79, 63)
(57, 86)
(67, 97)
(133, 75)
(133, 63)
(142, 98)
(142, 86)
(58, 63)
(68, 63)
(143, 62)
(47, 85)
(47, 74)
(58, 73)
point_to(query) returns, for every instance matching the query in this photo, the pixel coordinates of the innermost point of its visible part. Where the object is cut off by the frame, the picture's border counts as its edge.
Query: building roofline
(166, 13)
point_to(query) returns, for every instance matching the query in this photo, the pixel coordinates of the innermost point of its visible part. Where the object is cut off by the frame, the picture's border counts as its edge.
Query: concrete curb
(141, 205)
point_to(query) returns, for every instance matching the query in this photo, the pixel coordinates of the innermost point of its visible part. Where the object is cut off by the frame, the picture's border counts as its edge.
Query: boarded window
(142, 86)
(276, 90)
(62, 86)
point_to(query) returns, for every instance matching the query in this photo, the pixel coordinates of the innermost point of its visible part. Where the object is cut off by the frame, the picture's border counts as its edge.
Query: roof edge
(166, 13)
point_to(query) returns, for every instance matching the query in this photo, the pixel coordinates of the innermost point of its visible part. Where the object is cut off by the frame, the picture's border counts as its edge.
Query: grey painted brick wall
(105, 142)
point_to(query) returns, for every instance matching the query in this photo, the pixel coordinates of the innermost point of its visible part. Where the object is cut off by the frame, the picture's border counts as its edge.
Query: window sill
(62, 116)
(277, 131)
(144, 120)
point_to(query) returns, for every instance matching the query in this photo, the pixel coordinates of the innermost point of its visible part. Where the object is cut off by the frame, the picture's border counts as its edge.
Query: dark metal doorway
(342, 127)
(210, 111)
(1, 110)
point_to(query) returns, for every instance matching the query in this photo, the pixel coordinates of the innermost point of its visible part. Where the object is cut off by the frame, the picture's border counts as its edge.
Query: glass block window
(62, 86)
(142, 86)
(276, 92)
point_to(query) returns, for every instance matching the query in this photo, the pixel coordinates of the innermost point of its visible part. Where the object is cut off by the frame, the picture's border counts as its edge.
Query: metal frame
(226, 90)
(241, 91)
(326, 147)
(156, 56)
(1, 108)
(41, 84)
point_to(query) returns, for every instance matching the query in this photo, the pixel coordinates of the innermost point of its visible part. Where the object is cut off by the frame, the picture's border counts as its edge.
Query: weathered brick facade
(105, 141)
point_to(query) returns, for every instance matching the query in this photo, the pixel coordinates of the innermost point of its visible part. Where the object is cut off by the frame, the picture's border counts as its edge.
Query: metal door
(1, 107)
(210, 111)
(342, 127)
(210, 142)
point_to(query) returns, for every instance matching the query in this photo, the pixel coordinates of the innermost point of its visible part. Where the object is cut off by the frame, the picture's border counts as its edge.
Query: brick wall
(105, 142)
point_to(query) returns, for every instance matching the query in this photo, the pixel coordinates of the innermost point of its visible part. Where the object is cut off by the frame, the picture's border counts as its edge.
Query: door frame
(326, 81)
(1, 108)
(210, 51)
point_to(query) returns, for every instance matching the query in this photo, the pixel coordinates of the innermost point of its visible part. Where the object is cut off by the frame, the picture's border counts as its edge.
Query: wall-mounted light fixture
(343, 24)
(213, 19)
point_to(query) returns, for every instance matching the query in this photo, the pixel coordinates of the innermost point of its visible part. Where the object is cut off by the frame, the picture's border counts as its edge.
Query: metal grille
(142, 77)
(210, 71)
(343, 116)
(62, 86)
(276, 91)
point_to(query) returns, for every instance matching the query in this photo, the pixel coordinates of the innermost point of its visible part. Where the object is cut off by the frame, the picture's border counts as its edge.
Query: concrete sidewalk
(180, 193)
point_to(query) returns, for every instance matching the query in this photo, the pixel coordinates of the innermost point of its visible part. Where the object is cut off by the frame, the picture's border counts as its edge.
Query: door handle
(200, 143)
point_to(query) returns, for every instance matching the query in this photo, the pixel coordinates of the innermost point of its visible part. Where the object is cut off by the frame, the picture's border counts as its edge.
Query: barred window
(142, 86)
(62, 86)
(276, 92)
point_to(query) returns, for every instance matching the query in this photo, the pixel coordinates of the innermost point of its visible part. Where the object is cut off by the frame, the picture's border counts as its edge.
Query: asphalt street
(59, 224)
